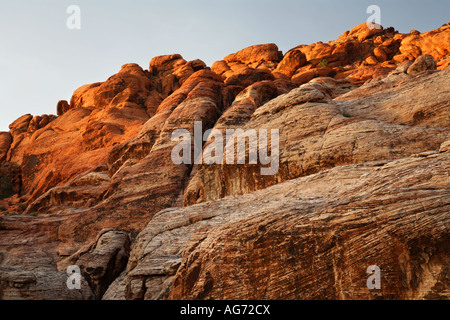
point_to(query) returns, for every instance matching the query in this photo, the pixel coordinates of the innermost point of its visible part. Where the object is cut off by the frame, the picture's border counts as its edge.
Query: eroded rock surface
(362, 120)
(102, 261)
(380, 121)
(308, 238)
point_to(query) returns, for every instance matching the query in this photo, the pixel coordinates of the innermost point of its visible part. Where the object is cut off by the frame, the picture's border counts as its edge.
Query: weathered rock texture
(304, 240)
(28, 258)
(308, 238)
(102, 261)
(355, 115)
(378, 121)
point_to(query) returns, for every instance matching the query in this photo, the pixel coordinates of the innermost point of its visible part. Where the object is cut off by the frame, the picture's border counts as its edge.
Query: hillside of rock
(362, 177)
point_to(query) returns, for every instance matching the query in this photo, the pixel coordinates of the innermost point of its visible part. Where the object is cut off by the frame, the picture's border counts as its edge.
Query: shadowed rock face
(5, 144)
(362, 120)
(102, 261)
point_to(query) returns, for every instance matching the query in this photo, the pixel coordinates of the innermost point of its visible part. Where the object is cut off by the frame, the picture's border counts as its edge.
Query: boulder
(20, 125)
(264, 55)
(102, 261)
(61, 107)
(363, 32)
(293, 60)
(422, 64)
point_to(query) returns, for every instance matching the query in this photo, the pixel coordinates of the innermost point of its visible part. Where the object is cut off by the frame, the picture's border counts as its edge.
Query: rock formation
(364, 140)
(307, 238)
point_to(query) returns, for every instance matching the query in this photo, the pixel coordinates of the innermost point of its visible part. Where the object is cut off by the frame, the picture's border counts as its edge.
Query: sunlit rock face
(361, 177)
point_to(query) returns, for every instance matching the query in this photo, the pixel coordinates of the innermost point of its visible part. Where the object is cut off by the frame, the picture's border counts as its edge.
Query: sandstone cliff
(363, 178)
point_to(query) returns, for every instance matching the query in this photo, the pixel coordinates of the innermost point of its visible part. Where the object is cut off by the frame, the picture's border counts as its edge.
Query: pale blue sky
(41, 61)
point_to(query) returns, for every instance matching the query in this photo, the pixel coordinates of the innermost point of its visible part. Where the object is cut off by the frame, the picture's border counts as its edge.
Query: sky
(42, 61)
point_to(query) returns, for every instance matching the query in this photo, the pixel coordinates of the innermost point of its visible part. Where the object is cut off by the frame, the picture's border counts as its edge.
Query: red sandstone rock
(10, 180)
(306, 76)
(105, 163)
(257, 56)
(363, 32)
(316, 141)
(5, 144)
(20, 125)
(291, 62)
(61, 107)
